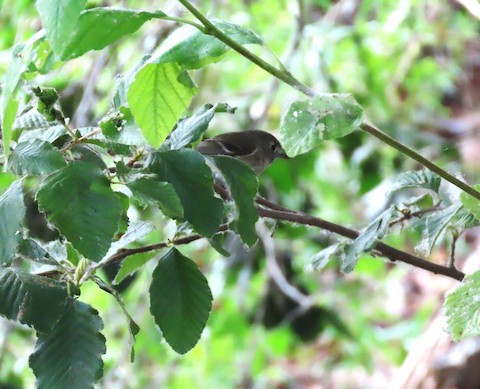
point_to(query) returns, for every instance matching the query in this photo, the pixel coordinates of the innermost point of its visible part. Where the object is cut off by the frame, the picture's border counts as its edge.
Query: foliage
(132, 189)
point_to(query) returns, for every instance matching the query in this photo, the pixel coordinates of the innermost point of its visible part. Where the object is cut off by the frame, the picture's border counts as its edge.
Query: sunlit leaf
(308, 123)
(435, 225)
(132, 263)
(323, 257)
(157, 97)
(136, 230)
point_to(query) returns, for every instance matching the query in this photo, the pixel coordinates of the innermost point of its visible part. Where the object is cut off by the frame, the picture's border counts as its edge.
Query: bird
(258, 149)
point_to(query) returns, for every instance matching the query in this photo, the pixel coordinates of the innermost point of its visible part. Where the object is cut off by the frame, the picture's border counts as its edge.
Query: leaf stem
(288, 78)
(184, 21)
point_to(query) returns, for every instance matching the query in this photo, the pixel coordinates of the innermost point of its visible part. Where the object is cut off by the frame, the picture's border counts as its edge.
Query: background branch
(289, 79)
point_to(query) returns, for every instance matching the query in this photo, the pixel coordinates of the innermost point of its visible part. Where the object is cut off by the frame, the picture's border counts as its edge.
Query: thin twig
(451, 262)
(276, 273)
(289, 79)
(122, 254)
(388, 251)
(212, 30)
(411, 215)
(371, 129)
(76, 141)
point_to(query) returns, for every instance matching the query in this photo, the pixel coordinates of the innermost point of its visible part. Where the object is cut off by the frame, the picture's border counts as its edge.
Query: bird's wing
(217, 147)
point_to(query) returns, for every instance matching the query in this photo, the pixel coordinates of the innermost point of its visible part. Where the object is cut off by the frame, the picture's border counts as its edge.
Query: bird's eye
(273, 146)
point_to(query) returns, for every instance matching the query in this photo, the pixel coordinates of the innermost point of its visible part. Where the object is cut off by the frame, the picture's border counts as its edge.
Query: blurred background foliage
(414, 67)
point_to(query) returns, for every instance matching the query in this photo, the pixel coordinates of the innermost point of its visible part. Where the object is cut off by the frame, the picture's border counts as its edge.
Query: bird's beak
(283, 155)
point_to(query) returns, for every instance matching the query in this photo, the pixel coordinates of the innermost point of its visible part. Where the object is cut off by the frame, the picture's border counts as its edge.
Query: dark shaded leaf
(243, 185)
(81, 204)
(192, 49)
(148, 191)
(192, 179)
(192, 128)
(180, 300)
(99, 27)
(33, 300)
(35, 158)
(69, 356)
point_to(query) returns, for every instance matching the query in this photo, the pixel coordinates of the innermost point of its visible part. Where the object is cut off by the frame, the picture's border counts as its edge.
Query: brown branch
(277, 212)
(388, 251)
(122, 254)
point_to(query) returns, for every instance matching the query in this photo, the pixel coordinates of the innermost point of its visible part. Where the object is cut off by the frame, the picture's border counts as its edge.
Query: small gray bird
(258, 149)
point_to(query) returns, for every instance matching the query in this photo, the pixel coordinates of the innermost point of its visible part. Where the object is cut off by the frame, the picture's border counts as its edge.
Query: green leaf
(463, 308)
(69, 356)
(22, 58)
(99, 27)
(33, 250)
(81, 204)
(35, 158)
(367, 239)
(217, 241)
(124, 81)
(12, 213)
(422, 179)
(131, 264)
(127, 133)
(192, 49)
(135, 231)
(423, 201)
(192, 128)
(180, 300)
(60, 18)
(33, 300)
(8, 101)
(470, 203)
(323, 257)
(192, 179)
(243, 185)
(157, 98)
(163, 194)
(435, 225)
(41, 58)
(9, 112)
(6, 179)
(308, 123)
